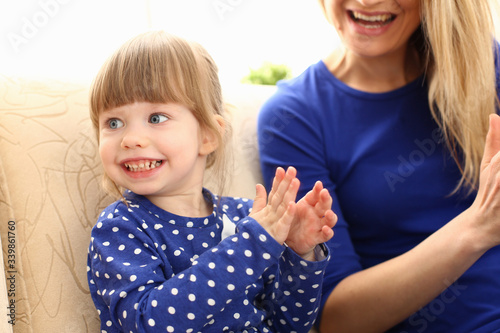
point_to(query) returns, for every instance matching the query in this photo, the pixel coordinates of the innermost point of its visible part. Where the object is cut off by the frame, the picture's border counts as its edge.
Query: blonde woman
(395, 124)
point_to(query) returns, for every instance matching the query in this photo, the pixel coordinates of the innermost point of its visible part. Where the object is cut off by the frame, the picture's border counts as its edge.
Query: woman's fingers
(492, 144)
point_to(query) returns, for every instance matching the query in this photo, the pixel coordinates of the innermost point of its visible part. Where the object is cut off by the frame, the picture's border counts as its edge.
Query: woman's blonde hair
(459, 50)
(157, 67)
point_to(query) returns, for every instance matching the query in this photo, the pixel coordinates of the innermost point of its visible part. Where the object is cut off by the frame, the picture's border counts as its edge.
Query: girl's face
(373, 28)
(153, 149)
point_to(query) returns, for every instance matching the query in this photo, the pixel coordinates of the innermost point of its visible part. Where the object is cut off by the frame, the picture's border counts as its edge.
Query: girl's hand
(313, 222)
(275, 213)
(486, 206)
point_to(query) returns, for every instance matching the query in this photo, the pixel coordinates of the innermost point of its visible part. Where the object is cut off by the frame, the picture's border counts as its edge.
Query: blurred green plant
(268, 74)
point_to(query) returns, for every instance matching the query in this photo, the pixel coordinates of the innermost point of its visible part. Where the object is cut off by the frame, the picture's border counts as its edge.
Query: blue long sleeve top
(153, 271)
(382, 158)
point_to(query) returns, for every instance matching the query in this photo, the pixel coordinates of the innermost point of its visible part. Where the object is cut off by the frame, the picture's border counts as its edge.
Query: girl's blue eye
(157, 118)
(115, 123)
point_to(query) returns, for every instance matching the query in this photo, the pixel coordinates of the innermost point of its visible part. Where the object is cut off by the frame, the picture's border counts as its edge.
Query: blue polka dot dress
(153, 271)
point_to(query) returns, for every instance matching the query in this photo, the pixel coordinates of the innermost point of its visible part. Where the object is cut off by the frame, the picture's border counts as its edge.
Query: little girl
(170, 256)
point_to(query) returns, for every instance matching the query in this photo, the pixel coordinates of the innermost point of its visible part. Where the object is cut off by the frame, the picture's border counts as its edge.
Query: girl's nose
(133, 140)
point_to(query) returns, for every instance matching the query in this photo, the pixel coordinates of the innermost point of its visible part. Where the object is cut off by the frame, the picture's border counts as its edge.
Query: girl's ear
(210, 139)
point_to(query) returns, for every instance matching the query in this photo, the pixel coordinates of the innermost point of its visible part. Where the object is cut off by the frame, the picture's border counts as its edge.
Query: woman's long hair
(459, 49)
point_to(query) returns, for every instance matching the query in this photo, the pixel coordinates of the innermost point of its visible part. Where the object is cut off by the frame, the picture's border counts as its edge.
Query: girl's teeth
(142, 166)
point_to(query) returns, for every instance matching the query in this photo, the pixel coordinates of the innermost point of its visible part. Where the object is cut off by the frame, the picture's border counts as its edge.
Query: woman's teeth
(372, 21)
(142, 165)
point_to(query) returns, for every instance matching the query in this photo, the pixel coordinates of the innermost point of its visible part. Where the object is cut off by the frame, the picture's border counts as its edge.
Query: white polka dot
(144, 226)
(211, 302)
(109, 259)
(191, 316)
(189, 224)
(171, 310)
(137, 251)
(124, 314)
(154, 303)
(262, 238)
(123, 294)
(192, 278)
(249, 271)
(192, 297)
(211, 265)
(99, 225)
(177, 253)
(133, 278)
(110, 216)
(211, 283)
(190, 237)
(121, 247)
(151, 322)
(248, 253)
(299, 305)
(131, 236)
(115, 229)
(230, 269)
(230, 287)
(266, 256)
(109, 323)
(141, 288)
(174, 291)
(170, 329)
(230, 251)
(105, 243)
(236, 315)
(245, 235)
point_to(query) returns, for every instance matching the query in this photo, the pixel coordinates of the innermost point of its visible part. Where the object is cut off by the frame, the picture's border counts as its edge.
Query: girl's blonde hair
(459, 50)
(157, 67)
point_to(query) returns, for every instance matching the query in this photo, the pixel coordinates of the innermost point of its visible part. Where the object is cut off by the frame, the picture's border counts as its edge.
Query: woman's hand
(485, 211)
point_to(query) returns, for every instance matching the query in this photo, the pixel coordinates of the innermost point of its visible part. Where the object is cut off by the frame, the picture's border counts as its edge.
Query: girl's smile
(141, 167)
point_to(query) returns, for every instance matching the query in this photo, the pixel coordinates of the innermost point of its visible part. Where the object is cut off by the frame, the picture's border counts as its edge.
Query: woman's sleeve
(128, 275)
(290, 134)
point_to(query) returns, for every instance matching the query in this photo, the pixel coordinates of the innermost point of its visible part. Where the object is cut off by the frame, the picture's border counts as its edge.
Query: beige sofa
(50, 196)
